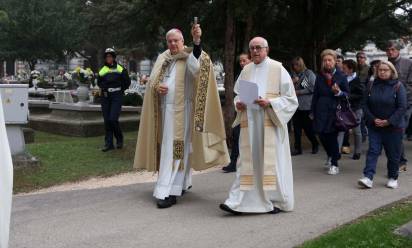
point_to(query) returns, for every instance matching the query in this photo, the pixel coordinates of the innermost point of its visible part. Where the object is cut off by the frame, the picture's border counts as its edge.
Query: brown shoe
(345, 150)
(402, 168)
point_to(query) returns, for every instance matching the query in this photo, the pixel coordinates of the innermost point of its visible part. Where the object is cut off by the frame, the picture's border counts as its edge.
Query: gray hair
(174, 31)
(397, 44)
(265, 42)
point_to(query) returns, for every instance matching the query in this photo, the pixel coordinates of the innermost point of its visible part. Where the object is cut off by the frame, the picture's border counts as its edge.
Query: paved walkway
(126, 216)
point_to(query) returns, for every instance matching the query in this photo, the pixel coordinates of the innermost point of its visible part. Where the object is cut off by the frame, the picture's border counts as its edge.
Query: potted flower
(84, 78)
(35, 77)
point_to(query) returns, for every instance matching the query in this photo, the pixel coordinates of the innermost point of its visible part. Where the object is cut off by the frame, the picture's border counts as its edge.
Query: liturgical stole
(247, 177)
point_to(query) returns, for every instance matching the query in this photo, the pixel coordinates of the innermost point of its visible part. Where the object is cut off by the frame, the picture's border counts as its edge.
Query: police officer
(113, 80)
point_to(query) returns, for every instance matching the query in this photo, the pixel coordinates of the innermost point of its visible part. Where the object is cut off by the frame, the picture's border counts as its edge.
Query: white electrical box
(15, 103)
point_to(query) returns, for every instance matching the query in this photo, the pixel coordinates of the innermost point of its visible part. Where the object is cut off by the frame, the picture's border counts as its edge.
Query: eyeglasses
(361, 57)
(257, 48)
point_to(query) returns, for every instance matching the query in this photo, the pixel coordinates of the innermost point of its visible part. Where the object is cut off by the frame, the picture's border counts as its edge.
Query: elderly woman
(385, 109)
(331, 85)
(304, 82)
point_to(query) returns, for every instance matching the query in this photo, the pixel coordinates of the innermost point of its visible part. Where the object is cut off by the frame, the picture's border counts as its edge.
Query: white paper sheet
(248, 93)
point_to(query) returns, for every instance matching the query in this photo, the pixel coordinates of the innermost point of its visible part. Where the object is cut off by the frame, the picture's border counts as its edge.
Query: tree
(37, 30)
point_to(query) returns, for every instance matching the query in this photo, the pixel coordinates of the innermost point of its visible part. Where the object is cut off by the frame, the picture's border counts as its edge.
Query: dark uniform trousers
(111, 108)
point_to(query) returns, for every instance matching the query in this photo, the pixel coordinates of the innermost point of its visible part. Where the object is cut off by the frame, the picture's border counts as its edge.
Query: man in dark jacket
(113, 80)
(404, 68)
(362, 67)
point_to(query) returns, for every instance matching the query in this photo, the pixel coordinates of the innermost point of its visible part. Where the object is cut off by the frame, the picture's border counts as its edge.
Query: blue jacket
(324, 102)
(386, 101)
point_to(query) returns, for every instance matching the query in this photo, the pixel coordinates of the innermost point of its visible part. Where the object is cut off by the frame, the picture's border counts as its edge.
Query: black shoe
(296, 152)
(119, 146)
(184, 191)
(173, 199)
(107, 148)
(356, 156)
(229, 168)
(315, 149)
(226, 208)
(167, 202)
(275, 211)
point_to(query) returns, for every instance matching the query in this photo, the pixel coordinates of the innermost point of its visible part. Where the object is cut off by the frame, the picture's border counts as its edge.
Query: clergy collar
(262, 63)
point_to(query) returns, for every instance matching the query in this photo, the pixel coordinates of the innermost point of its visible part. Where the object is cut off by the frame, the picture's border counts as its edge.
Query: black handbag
(345, 118)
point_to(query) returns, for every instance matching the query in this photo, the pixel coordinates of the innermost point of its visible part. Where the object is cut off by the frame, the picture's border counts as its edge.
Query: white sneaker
(365, 182)
(328, 163)
(333, 170)
(392, 183)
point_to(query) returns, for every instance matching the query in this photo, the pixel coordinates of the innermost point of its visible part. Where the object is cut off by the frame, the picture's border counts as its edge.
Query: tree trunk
(248, 33)
(229, 62)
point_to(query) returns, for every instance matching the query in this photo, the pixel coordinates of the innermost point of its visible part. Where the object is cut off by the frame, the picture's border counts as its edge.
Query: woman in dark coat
(385, 109)
(331, 86)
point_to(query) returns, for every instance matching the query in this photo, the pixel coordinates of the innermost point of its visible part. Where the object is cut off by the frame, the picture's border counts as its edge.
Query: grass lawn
(69, 159)
(374, 230)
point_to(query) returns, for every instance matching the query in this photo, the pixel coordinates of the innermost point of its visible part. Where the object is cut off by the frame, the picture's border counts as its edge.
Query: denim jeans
(408, 114)
(391, 142)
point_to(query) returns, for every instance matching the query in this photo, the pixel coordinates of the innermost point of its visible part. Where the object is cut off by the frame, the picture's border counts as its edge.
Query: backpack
(395, 87)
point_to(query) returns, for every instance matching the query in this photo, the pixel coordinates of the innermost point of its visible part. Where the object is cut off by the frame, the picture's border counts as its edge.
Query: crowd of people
(379, 96)
(182, 129)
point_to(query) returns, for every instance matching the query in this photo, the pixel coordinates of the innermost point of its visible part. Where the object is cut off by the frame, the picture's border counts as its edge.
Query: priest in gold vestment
(264, 179)
(181, 126)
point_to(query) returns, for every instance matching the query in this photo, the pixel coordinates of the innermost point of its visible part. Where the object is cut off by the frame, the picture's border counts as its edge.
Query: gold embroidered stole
(179, 115)
(247, 177)
(179, 105)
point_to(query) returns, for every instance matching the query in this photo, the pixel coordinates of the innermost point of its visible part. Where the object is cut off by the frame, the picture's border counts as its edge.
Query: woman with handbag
(385, 109)
(330, 86)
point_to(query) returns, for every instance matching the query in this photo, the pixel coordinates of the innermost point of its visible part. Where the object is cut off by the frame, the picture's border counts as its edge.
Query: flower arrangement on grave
(83, 76)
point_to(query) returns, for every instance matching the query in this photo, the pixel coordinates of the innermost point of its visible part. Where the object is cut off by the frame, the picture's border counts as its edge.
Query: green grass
(70, 159)
(374, 230)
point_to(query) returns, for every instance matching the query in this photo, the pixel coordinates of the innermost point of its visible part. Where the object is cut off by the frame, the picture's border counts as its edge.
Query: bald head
(259, 49)
(175, 41)
(260, 41)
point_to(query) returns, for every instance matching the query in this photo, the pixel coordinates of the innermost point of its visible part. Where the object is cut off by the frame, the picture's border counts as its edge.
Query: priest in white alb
(6, 182)
(181, 125)
(264, 179)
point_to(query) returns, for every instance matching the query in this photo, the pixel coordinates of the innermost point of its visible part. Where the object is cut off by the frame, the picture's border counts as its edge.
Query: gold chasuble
(270, 142)
(208, 137)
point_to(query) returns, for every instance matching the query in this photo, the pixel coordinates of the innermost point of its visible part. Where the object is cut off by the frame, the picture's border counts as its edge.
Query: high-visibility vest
(105, 69)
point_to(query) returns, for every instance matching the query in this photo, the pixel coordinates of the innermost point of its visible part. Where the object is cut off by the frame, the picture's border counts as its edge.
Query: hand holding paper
(248, 93)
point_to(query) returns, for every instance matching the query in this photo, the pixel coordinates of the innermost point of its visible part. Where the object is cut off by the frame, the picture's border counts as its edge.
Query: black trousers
(111, 108)
(330, 144)
(301, 121)
(234, 154)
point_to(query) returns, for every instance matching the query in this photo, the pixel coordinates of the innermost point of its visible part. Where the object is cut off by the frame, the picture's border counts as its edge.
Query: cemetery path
(126, 216)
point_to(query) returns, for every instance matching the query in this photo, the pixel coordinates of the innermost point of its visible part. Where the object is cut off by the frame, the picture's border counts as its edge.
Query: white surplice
(6, 182)
(258, 200)
(171, 180)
